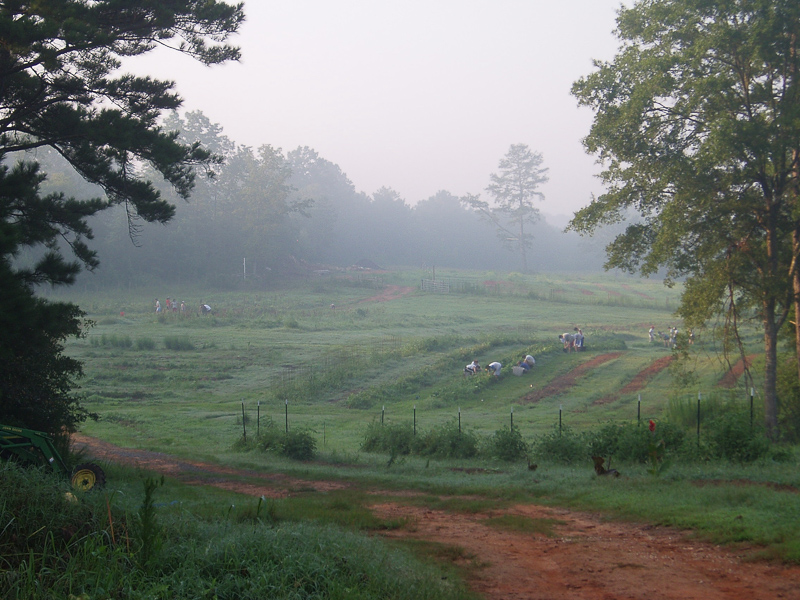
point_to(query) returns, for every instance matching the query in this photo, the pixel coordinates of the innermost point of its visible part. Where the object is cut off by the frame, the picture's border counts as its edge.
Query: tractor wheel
(87, 476)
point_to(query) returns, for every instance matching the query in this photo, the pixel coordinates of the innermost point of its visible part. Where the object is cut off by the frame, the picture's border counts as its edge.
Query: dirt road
(585, 557)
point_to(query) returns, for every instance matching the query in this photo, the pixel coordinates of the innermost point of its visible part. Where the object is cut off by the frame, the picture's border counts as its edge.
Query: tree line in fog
(265, 213)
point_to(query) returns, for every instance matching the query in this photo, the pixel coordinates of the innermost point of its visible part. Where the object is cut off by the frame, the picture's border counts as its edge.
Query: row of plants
(171, 342)
(452, 361)
(727, 436)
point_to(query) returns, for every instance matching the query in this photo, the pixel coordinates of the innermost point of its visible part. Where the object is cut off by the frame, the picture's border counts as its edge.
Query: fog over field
(355, 133)
(416, 96)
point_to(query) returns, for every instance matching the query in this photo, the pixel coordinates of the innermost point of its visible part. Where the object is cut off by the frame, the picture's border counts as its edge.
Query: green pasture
(180, 382)
(194, 386)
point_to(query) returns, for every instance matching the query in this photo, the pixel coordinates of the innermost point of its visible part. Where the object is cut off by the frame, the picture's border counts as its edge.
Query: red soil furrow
(638, 382)
(731, 377)
(390, 292)
(562, 384)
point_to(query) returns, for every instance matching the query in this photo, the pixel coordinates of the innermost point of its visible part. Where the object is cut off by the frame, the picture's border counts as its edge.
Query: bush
(447, 441)
(299, 445)
(396, 439)
(145, 344)
(112, 341)
(507, 444)
(178, 343)
(632, 442)
(731, 437)
(562, 446)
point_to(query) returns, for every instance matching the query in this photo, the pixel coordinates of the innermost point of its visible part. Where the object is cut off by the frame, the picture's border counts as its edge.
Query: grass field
(342, 359)
(179, 382)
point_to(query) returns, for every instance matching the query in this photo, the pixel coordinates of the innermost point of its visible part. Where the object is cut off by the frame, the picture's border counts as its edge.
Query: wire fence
(688, 411)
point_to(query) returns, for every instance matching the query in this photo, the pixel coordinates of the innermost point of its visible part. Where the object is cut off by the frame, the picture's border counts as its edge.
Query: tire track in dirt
(586, 558)
(638, 382)
(563, 383)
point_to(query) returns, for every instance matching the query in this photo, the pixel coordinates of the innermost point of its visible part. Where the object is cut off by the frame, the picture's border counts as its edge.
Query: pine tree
(59, 89)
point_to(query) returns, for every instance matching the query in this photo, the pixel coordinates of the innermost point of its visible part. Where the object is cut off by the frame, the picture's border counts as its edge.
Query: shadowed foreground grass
(127, 543)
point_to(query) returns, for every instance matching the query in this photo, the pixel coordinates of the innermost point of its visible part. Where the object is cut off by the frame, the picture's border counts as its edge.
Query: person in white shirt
(472, 368)
(495, 367)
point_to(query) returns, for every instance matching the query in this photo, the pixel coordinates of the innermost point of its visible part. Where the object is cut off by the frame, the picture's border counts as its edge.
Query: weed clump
(507, 444)
(630, 442)
(562, 445)
(295, 444)
(178, 343)
(444, 441)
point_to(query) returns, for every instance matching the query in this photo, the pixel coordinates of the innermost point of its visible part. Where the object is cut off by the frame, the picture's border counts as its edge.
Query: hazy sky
(419, 96)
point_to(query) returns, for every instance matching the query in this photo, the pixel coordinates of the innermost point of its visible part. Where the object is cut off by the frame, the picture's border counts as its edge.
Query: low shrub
(145, 344)
(394, 439)
(111, 341)
(562, 445)
(178, 343)
(298, 445)
(731, 437)
(295, 444)
(507, 444)
(632, 442)
(447, 441)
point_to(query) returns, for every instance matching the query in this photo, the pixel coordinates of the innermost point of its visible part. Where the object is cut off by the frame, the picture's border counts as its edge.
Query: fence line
(708, 400)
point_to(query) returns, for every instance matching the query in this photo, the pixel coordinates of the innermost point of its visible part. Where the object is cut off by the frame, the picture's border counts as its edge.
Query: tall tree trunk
(770, 370)
(795, 274)
(771, 326)
(796, 290)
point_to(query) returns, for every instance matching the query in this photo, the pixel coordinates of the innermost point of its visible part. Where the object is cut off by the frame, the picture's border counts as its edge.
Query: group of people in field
(573, 342)
(175, 307)
(494, 367)
(670, 339)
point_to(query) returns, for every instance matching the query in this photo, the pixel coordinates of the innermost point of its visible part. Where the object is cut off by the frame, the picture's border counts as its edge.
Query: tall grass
(56, 544)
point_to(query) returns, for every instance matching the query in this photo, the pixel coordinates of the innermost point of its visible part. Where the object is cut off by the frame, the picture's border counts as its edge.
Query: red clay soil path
(638, 382)
(591, 559)
(731, 377)
(270, 485)
(390, 292)
(587, 558)
(562, 384)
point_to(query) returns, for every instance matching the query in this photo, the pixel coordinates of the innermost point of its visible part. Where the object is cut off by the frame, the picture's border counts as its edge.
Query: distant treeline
(268, 214)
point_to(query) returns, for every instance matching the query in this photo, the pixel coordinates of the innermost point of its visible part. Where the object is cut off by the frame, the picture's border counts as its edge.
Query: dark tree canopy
(60, 89)
(698, 128)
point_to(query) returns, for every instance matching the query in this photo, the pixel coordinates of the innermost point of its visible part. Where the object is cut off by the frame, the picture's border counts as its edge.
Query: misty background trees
(262, 214)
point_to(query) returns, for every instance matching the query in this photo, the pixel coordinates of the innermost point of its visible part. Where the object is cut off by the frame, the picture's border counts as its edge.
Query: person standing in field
(652, 333)
(158, 306)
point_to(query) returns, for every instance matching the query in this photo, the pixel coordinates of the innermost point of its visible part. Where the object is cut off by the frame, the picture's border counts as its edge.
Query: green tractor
(36, 448)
